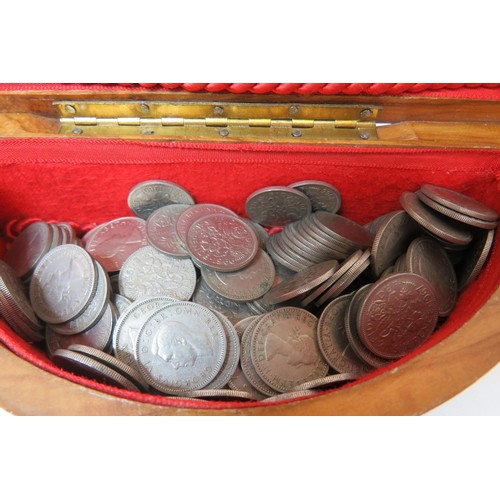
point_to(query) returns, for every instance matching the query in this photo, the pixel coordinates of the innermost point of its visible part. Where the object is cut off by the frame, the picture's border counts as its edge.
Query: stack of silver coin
(195, 301)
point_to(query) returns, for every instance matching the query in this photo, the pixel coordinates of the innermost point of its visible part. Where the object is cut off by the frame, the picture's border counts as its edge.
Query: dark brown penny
(394, 234)
(459, 202)
(435, 223)
(399, 313)
(323, 195)
(332, 338)
(427, 258)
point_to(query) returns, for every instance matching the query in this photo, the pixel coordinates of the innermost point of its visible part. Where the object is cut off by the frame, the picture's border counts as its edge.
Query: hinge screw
(218, 110)
(364, 134)
(296, 133)
(223, 132)
(144, 108)
(147, 132)
(293, 109)
(365, 113)
(77, 131)
(70, 109)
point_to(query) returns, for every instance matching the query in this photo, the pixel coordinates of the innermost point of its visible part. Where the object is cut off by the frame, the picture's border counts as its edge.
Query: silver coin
(112, 243)
(28, 248)
(277, 206)
(279, 258)
(93, 312)
(291, 395)
(148, 272)
(120, 302)
(299, 258)
(146, 197)
(221, 394)
(284, 349)
(232, 354)
(63, 284)
(181, 348)
(205, 296)
(324, 241)
(298, 245)
(323, 195)
(69, 231)
(91, 232)
(129, 324)
(244, 285)
(98, 336)
(332, 338)
(222, 242)
(328, 381)
(161, 233)
(195, 212)
(262, 234)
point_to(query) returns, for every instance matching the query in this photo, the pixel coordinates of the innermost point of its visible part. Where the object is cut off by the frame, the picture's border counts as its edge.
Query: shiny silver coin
(120, 302)
(195, 212)
(112, 243)
(181, 348)
(323, 195)
(301, 283)
(328, 382)
(129, 324)
(284, 349)
(332, 339)
(244, 285)
(69, 232)
(93, 312)
(87, 367)
(148, 272)
(392, 238)
(146, 197)
(221, 395)
(277, 206)
(428, 259)
(63, 284)
(28, 248)
(115, 364)
(222, 242)
(98, 336)
(291, 395)
(232, 354)
(161, 233)
(205, 296)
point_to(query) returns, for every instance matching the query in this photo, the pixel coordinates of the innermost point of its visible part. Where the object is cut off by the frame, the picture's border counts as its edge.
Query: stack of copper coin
(196, 301)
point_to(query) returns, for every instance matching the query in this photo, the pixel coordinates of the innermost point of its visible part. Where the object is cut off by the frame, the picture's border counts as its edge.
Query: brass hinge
(264, 122)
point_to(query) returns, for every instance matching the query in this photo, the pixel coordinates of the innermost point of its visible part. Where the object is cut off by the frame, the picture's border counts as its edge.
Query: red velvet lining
(87, 181)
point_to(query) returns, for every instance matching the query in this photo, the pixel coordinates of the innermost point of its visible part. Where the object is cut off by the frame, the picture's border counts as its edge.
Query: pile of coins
(192, 300)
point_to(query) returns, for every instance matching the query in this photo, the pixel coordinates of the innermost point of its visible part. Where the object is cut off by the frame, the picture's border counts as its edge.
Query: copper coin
(452, 214)
(332, 338)
(459, 202)
(427, 258)
(399, 313)
(394, 234)
(277, 206)
(323, 195)
(222, 242)
(435, 223)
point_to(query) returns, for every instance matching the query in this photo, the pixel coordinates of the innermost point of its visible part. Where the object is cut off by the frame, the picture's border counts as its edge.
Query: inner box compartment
(86, 182)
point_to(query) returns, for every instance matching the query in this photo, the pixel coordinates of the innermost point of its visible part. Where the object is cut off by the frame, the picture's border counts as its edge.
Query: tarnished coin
(452, 214)
(262, 234)
(284, 349)
(332, 338)
(99, 336)
(222, 242)
(63, 284)
(93, 312)
(161, 233)
(205, 296)
(427, 258)
(399, 313)
(28, 248)
(247, 284)
(112, 243)
(436, 224)
(459, 202)
(301, 283)
(328, 382)
(469, 268)
(85, 366)
(394, 234)
(146, 197)
(115, 364)
(195, 212)
(181, 348)
(148, 272)
(344, 230)
(277, 206)
(129, 324)
(120, 302)
(373, 226)
(291, 395)
(323, 195)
